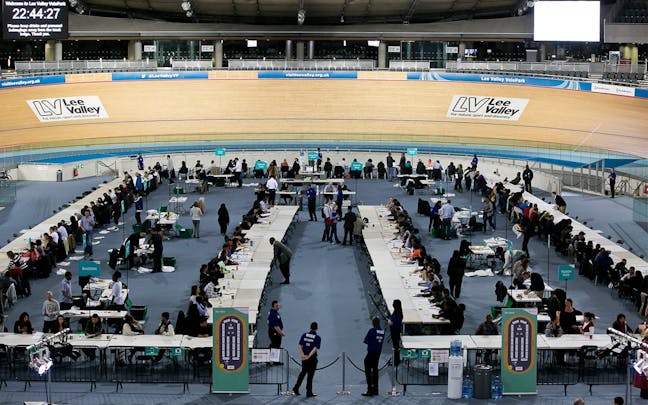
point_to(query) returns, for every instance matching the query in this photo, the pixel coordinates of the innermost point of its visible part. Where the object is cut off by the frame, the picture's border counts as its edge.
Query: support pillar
(299, 50)
(218, 55)
(134, 50)
(382, 55)
(543, 52)
(289, 49)
(462, 50)
(53, 50)
(311, 50)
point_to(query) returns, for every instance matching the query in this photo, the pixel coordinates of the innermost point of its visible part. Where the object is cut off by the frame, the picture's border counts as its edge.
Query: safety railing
(51, 67)
(315, 64)
(590, 67)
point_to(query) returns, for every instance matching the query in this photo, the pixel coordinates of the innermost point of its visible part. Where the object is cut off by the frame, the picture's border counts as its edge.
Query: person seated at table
(285, 188)
(588, 323)
(92, 329)
(568, 318)
(518, 282)
(204, 329)
(620, 324)
(211, 289)
(224, 256)
(130, 328)
(183, 172)
(554, 329)
(368, 169)
(488, 327)
(537, 284)
(264, 205)
(23, 325)
(62, 350)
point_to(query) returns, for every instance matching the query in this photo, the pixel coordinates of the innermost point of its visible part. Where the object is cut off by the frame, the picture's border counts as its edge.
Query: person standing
(311, 196)
(612, 181)
(158, 249)
(87, 224)
(139, 207)
(223, 218)
(275, 326)
(447, 212)
(171, 170)
(527, 176)
(488, 209)
(195, 213)
(395, 328)
(474, 161)
(238, 172)
(140, 162)
(334, 220)
(390, 167)
(456, 270)
(66, 291)
(309, 344)
(51, 311)
(282, 254)
(374, 341)
(116, 297)
(349, 221)
(271, 187)
(326, 215)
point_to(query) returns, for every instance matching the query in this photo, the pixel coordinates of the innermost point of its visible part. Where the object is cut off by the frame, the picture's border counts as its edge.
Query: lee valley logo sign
(491, 108)
(68, 108)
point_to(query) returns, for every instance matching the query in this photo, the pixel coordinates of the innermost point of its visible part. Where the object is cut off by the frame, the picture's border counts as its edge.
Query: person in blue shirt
(140, 162)
(395, 327)
(275, 326)
(374, 341)
(311, 195)
(474, 162)
(612, 181)
(309, 345)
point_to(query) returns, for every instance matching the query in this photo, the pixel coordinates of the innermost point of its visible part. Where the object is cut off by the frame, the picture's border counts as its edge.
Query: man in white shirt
(272, 186)
(326, 210)
(238, 168)
(54, 234)
(447, 212)
(66, 291)
(64, 236)
(116, 296)
(170, 169)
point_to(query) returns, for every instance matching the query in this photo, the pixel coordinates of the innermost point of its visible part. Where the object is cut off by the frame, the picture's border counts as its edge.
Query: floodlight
(301, 16)
(186, 5)
(189, 13)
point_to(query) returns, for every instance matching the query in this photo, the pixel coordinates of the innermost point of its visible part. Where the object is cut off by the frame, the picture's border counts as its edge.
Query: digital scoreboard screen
(577, 21)
(34, 19)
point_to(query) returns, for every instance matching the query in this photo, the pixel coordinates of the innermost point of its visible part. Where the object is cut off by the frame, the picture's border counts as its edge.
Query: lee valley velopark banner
(230, 373)
(519, 352)
(484, 107)
(68, 108)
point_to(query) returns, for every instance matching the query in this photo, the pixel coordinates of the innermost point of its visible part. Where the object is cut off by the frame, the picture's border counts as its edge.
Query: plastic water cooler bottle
(455, 370)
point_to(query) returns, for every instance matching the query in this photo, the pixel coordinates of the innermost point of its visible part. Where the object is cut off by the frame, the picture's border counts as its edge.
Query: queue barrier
(587, 365)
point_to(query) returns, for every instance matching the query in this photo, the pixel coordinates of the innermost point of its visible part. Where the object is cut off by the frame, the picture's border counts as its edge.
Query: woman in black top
(23, 325)
(223, 218)
(395, 328)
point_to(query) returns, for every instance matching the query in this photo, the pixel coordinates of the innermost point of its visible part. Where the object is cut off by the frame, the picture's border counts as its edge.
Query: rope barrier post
(394, 392)
(344, 391)
(288, 392)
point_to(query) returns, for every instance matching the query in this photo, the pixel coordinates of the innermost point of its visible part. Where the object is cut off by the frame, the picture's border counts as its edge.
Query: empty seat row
(623, 77)
(576, 74)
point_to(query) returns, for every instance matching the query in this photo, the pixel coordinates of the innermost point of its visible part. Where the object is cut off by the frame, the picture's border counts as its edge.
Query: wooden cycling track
(371, 111)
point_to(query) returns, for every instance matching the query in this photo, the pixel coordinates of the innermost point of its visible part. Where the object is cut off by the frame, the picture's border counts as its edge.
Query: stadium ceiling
(320, 12)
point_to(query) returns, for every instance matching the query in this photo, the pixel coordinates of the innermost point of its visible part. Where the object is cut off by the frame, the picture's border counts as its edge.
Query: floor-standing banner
(230, 372)
(519, 352)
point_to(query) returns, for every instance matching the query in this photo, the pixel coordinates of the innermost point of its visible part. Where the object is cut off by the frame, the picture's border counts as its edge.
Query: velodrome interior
(567, 129)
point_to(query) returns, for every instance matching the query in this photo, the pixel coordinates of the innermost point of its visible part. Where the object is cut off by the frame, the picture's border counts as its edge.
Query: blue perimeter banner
(502, 79)
(159, 75)
(31, 81)
(284, 74)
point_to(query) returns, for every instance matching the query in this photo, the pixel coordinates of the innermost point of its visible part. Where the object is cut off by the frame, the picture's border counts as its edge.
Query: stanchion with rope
(291, 392)
(394, 392)
(389, 361)
(344, 391)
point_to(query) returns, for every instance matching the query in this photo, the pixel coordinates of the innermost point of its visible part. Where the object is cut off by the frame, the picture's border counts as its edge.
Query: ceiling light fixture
(301, 16)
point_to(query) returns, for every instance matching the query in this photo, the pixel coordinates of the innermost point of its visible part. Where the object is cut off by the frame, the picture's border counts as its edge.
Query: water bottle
(251, 243)
(467, 388)
(496, 388)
